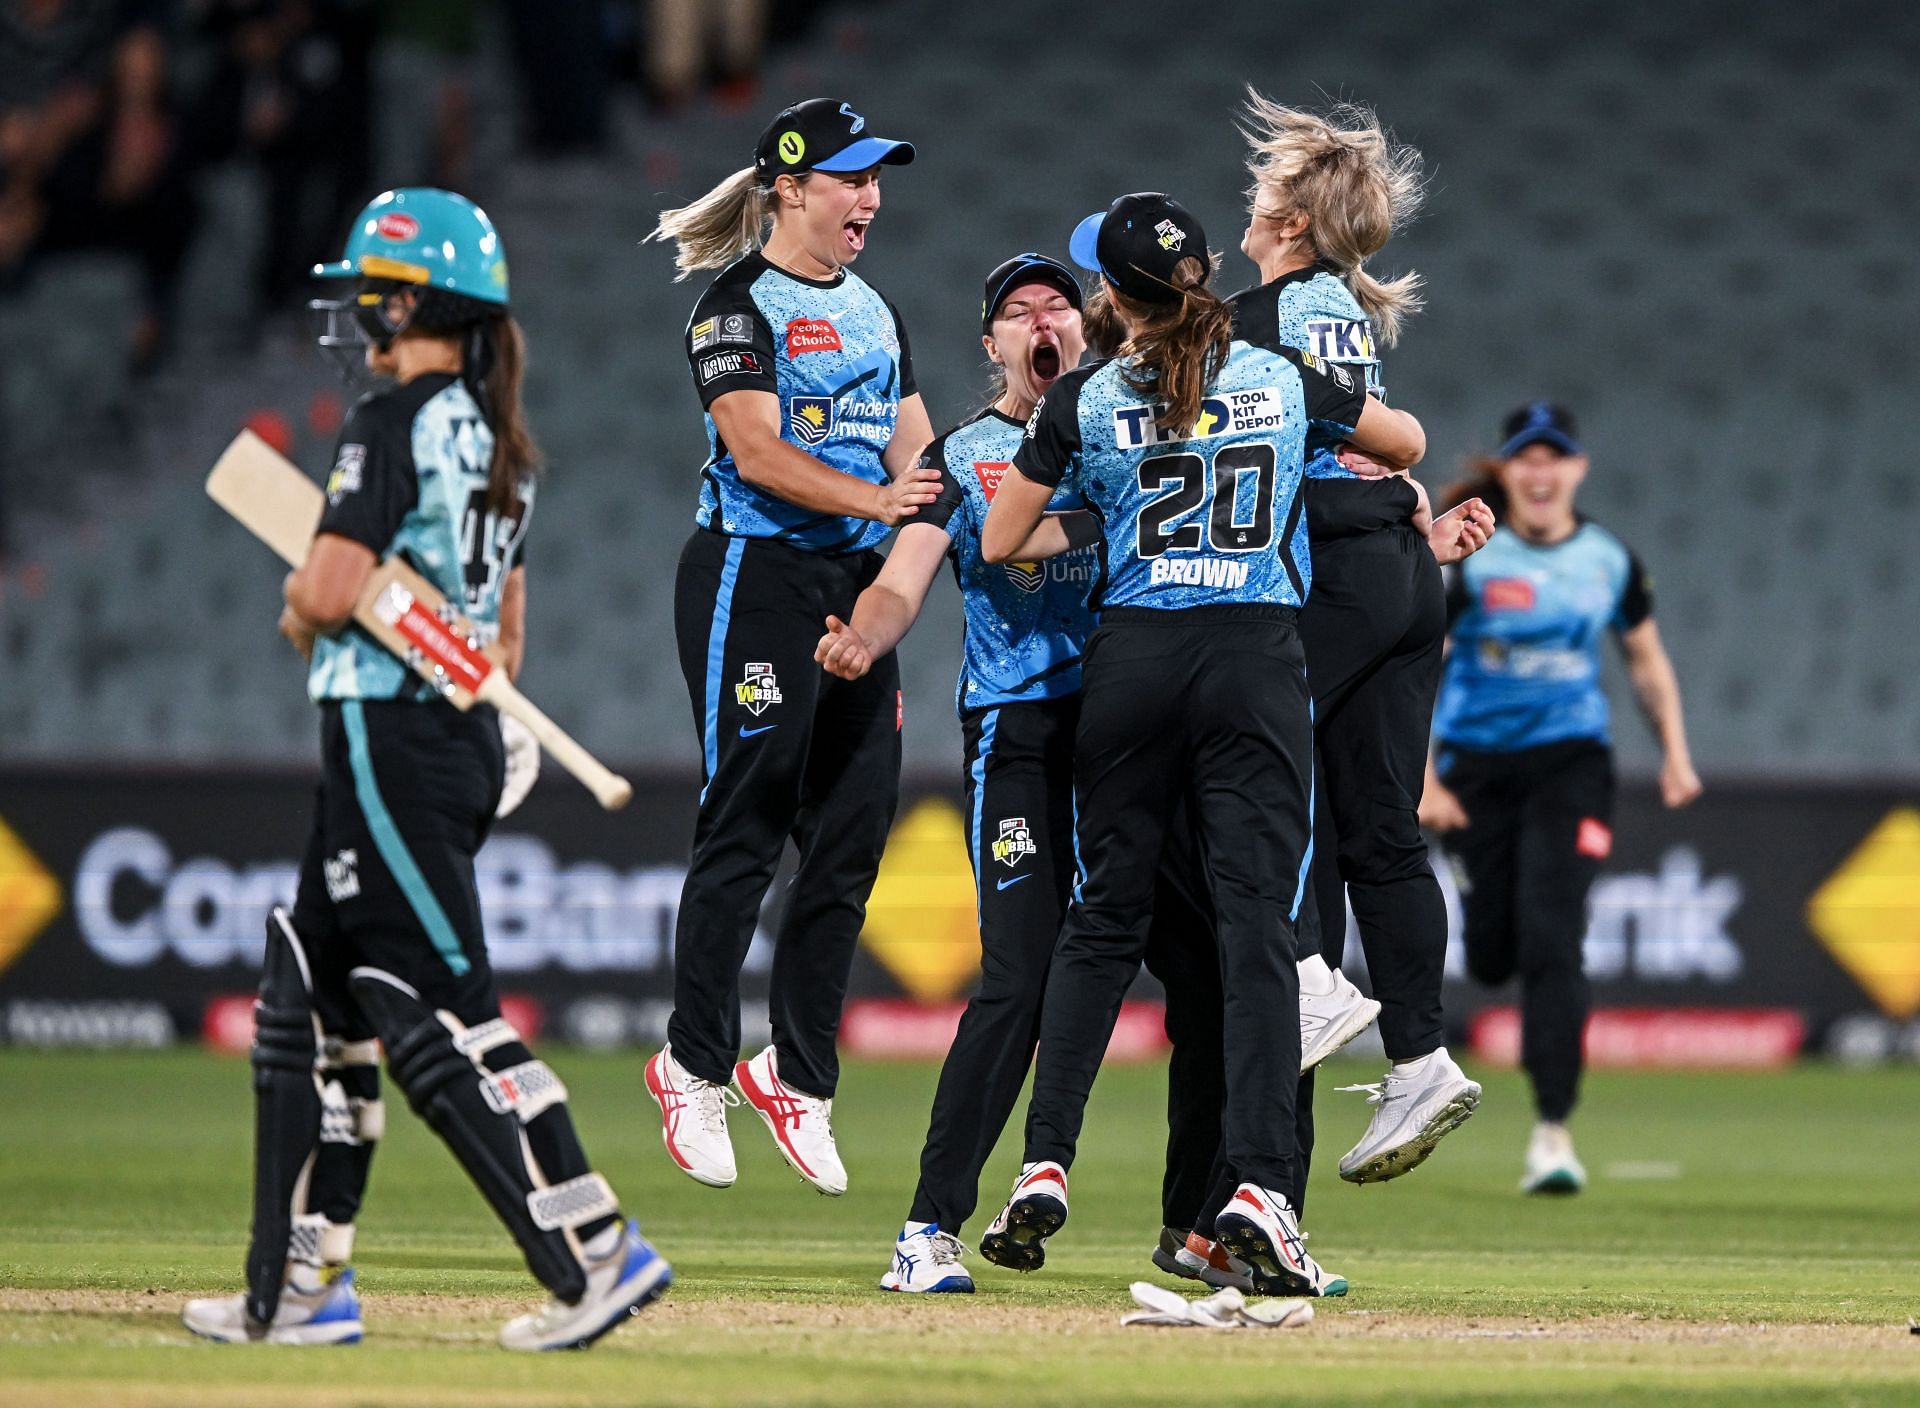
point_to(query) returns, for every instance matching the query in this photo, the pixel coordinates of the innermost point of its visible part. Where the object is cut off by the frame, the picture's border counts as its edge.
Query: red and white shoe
(693, 1120)
(1035, 1210)
(1258, 1227)
(802, 1124)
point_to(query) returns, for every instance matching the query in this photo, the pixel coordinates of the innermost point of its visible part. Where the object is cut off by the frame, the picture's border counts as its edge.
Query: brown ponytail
(516, 456)
(1178, 348)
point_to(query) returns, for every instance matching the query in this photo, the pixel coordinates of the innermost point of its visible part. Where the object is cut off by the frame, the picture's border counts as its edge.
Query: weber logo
(721, 364)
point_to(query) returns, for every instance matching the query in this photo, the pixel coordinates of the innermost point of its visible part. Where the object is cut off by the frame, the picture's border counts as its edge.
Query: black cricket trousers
(788, 751)
(1210, 703)
(1019, 807)
(1539, 823)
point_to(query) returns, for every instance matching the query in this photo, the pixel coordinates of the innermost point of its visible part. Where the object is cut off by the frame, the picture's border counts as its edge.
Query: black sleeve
(1636, 597)
(908, 386)
(1053, 435)
(729, 344)
(373, 485)
(1458, 597)
(940, 512)
(1335, 394)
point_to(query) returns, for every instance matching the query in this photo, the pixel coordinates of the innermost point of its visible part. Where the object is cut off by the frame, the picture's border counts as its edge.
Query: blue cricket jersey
(1313, 310)
(835, 354)
(1209, 514)
(1527, 625)
(1026, 622)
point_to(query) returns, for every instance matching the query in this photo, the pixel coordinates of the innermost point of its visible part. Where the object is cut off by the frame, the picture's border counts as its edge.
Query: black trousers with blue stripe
(406, 797)
(789, 753)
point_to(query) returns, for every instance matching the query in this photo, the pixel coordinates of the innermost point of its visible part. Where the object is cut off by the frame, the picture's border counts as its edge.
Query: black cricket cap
(823, 135)
(1540, 423)
(1137, 242)
(1023, 269)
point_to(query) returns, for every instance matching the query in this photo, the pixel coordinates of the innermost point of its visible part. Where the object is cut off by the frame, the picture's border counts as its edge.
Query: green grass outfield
(1750, 1239)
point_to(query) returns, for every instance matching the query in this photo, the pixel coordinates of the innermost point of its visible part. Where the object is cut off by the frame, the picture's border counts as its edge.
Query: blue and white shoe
(619, 1285)
(926, 1261)
(315, 1308)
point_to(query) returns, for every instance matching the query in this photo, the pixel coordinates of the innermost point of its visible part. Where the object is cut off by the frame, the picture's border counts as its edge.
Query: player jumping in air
(814, 426)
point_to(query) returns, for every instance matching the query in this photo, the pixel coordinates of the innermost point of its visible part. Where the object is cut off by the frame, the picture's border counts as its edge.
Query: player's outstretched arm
(1017, 510)
(912, 433)
(1058, 533)
(887, 609)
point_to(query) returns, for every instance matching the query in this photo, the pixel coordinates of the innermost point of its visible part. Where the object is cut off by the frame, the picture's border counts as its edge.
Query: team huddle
(1205, 621)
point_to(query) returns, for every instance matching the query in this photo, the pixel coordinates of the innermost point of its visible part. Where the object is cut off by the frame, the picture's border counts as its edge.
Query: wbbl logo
(342, 875)
(1015, 842)
(759, 690)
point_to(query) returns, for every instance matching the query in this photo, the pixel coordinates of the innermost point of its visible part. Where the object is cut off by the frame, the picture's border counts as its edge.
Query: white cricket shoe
(1328, 1021)
(1258, 1227)
(1035, 1210)
(693, 1120)
(926, 1261)
(1197, 1259)
(620, 1284)
(1413, 1111)
(1551, 1164)
(802, 1124)
(315, 1308)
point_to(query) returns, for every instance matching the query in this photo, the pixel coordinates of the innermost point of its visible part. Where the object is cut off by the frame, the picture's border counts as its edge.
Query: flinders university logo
(810, 418)
(759, 690)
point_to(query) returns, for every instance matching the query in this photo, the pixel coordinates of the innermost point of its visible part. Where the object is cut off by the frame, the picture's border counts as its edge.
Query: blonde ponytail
(1356, 185)
(715, 230)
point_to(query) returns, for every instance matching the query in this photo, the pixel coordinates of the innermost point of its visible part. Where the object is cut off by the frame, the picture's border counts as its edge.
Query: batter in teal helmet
(385, 947)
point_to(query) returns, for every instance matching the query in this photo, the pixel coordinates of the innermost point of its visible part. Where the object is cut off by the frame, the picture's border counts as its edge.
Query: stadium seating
(1696, 236)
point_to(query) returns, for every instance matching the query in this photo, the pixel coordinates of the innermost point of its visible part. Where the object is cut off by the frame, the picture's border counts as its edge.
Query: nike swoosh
(1009, 884)
(746, 732)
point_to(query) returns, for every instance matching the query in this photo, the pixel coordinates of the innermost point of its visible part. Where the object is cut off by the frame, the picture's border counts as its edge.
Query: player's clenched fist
(842, 651)
(901, 498)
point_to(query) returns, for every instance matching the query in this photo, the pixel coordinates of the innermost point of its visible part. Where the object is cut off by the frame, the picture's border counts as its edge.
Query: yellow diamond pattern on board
(923, 919)
(29, 897)
(1868, 913)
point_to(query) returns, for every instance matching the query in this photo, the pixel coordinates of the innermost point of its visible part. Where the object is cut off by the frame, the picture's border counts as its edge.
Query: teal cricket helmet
(423, 235)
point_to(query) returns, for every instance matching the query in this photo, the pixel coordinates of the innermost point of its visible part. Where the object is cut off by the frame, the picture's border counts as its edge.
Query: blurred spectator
(89, 156)
(291, 88)
(690, 42)
(561, 52)
(426, 63)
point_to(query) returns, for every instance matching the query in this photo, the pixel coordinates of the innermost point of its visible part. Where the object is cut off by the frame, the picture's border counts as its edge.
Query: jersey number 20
(1185, 485)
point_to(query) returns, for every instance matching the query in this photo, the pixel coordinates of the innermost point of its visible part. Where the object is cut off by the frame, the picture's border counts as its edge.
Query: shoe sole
(658, 1096)
(1356, 1022)
(333, 1332)
(1272, 1276)
(1022, 1244)
(946, 1286)
(642, 1291)
(743, 1081)
(1390, 1164)
(1173, 1266)
(1560, 1182)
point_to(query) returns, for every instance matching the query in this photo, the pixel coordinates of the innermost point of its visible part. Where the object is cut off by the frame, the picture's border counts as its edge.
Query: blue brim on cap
(338, 269)
(1540, 435)
(865, 153)
(1086, 238)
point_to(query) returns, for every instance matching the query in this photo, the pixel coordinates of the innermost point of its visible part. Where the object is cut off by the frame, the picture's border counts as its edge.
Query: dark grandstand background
(1691, 222)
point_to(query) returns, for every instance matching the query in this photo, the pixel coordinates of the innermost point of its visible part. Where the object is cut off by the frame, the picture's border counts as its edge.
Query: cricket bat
(398, 607)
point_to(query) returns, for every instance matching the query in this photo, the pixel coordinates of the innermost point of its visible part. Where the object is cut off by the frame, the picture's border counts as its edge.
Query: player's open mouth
(1046, 363)
(855, 234)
